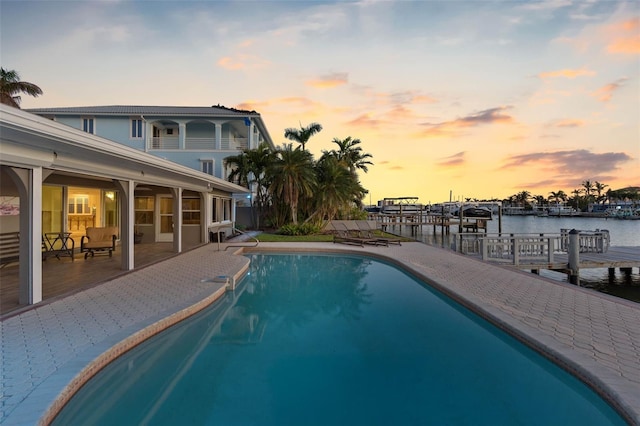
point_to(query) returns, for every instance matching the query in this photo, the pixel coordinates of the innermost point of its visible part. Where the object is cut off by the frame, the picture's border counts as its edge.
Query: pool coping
(428, 263)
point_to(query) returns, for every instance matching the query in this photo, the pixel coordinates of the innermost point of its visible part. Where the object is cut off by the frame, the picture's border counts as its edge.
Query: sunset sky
(479, 99)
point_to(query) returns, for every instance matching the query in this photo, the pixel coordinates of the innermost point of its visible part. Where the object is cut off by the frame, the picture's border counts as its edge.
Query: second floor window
(207, 166)
(136, 128)
(88, 125)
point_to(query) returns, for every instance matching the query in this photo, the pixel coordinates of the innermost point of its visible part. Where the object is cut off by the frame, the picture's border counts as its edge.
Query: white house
(59, 179)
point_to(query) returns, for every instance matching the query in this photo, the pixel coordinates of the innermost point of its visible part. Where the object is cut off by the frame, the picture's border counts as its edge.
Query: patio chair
(99, 239)
(368, 230)
(344, 234)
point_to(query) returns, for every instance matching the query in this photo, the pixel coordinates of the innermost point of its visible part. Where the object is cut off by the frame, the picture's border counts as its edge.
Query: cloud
(605, 93)
(452, 128)
(569, 163)
(624, 37)
(566, 73)
(567, 123)
(242, 62)
(365, 121)
(329, 81)
(453, 160)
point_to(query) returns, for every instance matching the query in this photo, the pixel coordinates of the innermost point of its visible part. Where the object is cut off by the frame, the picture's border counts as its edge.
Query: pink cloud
(329, 81)
(566, 73)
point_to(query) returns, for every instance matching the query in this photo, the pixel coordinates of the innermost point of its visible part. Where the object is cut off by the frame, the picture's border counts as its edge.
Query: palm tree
(350, 154)
(558, 196)
(588, 187)
(522, 197)
(259, 160)
(240, 169)
(11, 87)
(599, 187)
(293, 177)
(303, 134)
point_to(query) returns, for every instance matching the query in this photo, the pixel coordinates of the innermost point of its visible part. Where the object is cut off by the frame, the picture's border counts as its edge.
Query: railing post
(516, 251)
(574, 257)
(484, 248)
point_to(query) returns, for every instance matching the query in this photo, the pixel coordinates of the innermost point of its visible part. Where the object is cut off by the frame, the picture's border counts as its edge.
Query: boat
(401, 206)
(477, 212)
(561, 211)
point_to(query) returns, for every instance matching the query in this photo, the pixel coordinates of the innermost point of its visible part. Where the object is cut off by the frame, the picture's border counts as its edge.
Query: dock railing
(516, 249)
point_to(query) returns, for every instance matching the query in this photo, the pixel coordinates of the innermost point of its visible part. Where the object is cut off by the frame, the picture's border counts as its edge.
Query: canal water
(623, 233)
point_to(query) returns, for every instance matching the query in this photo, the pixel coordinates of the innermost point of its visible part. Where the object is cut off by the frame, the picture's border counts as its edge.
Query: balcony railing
(199, 144)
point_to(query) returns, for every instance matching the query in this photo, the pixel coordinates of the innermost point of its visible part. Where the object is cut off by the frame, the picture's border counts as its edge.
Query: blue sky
(480, 98)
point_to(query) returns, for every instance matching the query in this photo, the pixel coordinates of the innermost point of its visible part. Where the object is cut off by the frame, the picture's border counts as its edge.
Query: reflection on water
(623, 233)
(333, 340)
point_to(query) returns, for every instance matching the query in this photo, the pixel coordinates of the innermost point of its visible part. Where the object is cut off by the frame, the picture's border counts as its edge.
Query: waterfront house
(57, 179)
(196, 137)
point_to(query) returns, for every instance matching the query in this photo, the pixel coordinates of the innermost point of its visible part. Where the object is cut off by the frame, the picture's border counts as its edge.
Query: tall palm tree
(558, 196)
(599, 187)
(11, 87)
(522, 197)
(351, 154)
(240, 169)
(293, 177)
(259, 160)
(303, 134)
(338, 187)
(588, 187)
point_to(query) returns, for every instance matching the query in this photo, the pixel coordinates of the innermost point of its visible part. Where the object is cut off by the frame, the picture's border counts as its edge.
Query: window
(221, 209)
(143, 207)
(191, 211)
(79, 204)
(226, 210)
(136, 128)
(207, 166)
(88, 125)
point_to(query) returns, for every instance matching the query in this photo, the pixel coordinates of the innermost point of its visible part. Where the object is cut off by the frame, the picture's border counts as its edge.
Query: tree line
(297, 193)
(580, 198)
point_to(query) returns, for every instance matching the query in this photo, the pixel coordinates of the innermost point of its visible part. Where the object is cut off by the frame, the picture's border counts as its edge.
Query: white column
(29, 184)
(126, 192)
(250, 141)
(177, 219)
(182, 135)
(218, 136)
(205, 216)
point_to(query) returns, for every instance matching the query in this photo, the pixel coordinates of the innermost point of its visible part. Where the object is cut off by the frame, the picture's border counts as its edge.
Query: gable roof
(187, 111)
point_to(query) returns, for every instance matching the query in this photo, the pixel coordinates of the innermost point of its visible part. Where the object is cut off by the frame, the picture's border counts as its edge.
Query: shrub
(299, 229)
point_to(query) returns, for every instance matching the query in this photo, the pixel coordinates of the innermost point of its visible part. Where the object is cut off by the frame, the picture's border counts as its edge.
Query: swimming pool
(326, 340)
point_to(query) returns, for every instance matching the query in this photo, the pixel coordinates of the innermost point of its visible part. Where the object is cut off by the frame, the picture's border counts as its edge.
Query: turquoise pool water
(334, 340)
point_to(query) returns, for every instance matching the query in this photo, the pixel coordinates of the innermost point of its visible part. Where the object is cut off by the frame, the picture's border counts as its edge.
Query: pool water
(334, 340)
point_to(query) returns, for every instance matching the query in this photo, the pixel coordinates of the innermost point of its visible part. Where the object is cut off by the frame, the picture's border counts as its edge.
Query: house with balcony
(196, 137)
(56, 181)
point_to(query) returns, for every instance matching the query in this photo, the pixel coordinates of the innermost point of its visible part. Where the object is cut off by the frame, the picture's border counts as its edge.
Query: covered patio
(54, 175)
(64, 276)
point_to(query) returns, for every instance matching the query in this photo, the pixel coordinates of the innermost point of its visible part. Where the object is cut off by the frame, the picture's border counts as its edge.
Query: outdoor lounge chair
(368, 230)
(345, 235)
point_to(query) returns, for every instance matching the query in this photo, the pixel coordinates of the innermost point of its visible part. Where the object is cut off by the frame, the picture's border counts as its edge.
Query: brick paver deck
(46, 348)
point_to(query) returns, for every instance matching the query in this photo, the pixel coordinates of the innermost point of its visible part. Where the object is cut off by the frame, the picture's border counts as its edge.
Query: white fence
(529, 248)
